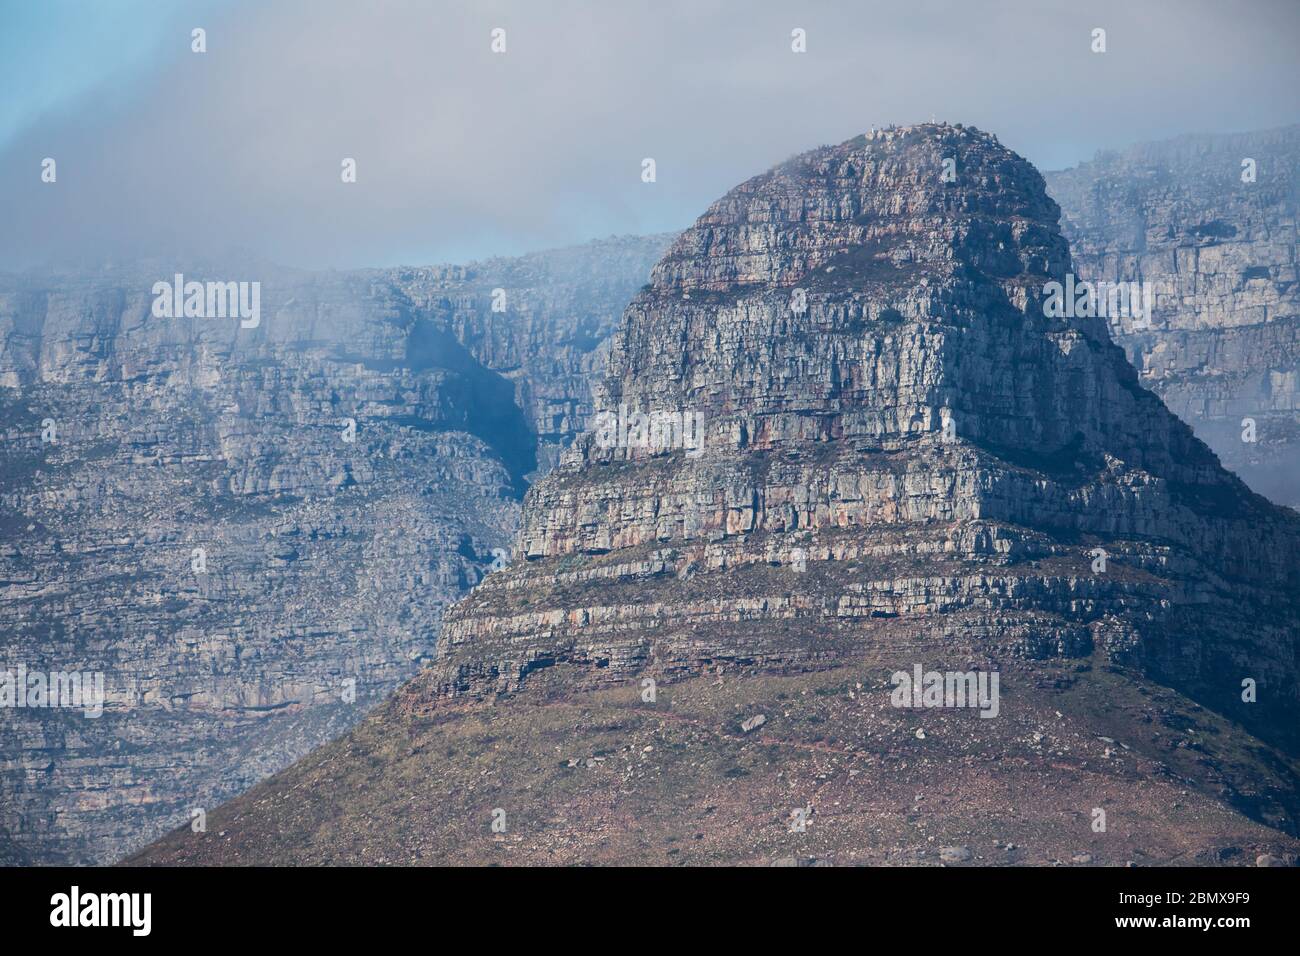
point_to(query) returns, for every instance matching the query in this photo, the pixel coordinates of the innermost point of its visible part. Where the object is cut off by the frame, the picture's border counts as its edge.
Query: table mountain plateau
(187, 510)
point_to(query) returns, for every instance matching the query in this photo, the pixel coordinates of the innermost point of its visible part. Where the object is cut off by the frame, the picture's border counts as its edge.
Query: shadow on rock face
(489, 399)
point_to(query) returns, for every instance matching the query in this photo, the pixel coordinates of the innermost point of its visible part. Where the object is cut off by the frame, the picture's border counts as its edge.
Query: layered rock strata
(841, 438)
(899, 448)
(251, 533)
(1210, 223)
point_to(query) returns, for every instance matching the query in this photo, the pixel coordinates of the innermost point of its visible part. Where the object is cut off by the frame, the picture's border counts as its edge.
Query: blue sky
(55, 54)
(463, 153)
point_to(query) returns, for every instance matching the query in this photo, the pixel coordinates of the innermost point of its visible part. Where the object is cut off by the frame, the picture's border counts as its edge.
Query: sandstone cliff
(882, 393)
(1223, 343)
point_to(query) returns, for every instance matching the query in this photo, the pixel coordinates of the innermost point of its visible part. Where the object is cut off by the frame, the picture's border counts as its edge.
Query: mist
(462, 152)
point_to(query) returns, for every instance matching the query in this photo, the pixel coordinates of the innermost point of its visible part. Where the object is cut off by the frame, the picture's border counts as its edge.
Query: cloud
(462, 152)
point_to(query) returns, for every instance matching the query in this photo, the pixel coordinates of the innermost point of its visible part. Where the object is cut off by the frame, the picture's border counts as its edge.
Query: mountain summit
(894, 441)
(843, 462)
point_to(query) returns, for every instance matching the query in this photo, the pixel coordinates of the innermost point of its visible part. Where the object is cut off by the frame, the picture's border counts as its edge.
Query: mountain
(187, 511)
(1210, 223)
(844, 440)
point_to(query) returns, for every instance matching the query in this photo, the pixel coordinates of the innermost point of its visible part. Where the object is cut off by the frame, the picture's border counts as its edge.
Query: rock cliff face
(187, 510)
(887, 409)
(840, 439)
(1220, 253)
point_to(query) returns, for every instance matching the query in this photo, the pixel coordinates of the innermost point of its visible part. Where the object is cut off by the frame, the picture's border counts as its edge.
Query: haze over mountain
(463, 153)
(508, 390)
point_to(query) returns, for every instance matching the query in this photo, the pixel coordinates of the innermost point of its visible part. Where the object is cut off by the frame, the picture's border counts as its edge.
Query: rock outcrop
(251, 533)
(1210, 223)
(896, 440)
(823, 449)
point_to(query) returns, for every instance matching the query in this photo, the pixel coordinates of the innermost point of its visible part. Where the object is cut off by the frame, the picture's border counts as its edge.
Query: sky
(463, 153)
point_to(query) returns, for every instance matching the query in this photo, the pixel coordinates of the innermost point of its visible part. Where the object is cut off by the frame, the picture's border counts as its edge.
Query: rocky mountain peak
(890, 292)
(891, 206)
(840, 417)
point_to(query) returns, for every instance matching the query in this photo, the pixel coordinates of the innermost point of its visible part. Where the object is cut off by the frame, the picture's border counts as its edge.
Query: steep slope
(326, 562)
(866, 448)
(1223, 342)
(603, 776)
